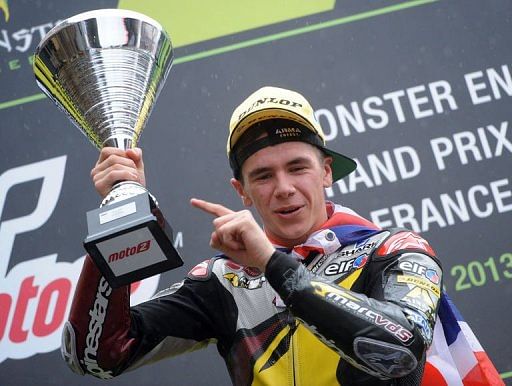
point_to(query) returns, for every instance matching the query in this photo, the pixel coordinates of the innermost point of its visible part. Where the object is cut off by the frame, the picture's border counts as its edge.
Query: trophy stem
(120, 142)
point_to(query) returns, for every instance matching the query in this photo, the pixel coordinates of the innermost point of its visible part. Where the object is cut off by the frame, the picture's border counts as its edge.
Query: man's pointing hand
(237, 235)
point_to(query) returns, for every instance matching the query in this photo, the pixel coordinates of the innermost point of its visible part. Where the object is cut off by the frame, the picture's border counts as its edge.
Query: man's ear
(327, 180)
(239, 188)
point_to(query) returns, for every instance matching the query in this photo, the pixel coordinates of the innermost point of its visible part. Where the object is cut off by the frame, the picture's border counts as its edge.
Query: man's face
(286, 184)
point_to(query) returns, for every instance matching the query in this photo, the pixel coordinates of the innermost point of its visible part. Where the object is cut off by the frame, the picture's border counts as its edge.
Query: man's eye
(297, 169)
(262, 177)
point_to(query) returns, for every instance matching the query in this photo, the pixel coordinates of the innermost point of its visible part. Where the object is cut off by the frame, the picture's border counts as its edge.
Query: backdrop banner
(419, 92)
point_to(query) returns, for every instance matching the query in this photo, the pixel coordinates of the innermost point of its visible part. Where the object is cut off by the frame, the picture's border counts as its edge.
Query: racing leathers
(353, 305)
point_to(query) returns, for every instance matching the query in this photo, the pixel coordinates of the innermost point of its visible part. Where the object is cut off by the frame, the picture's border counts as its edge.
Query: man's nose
(284, 185)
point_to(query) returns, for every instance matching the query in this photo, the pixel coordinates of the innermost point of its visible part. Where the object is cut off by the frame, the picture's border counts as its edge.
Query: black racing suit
(362, 315)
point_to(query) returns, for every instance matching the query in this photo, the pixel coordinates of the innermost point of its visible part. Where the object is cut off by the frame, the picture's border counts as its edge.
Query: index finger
(211, 208)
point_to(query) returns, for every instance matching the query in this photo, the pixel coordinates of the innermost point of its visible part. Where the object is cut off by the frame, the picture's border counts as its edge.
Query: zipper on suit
(293, 326)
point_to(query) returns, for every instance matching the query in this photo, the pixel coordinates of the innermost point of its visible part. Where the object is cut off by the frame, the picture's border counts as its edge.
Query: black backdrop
(424, 87)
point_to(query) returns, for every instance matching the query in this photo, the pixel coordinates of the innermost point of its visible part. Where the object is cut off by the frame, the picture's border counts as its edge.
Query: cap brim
(341, 165)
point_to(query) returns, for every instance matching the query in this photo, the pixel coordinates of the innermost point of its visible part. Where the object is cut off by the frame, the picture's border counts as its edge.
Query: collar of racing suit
(343, 227)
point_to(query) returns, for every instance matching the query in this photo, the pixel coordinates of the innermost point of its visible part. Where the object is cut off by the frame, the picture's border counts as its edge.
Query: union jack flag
(456, 358)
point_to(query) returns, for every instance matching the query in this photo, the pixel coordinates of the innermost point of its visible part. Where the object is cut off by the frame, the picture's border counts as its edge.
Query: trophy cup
(105, 69)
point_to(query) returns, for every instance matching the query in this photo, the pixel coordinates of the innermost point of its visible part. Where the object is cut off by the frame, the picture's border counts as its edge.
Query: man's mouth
(288, 210)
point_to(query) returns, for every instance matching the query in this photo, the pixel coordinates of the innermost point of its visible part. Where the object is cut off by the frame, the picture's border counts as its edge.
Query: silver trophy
(105, 69)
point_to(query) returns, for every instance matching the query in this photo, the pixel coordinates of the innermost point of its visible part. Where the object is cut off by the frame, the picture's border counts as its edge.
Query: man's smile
(288, 210)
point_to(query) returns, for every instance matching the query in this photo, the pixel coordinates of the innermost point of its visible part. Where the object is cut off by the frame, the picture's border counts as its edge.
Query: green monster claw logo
(4, 6)
(193, 21)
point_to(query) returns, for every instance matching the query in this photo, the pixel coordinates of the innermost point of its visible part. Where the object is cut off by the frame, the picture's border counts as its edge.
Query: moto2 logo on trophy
(35, 295)
(130, 251)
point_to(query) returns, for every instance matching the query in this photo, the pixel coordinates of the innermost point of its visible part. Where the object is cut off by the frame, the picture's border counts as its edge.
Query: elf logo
(421, 270)
(345, 266)
(130, 251)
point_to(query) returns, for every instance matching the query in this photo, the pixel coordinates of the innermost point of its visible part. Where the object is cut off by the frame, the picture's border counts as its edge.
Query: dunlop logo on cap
(259, 102)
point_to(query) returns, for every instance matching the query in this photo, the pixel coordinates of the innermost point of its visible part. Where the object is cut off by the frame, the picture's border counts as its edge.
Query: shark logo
(4, 6)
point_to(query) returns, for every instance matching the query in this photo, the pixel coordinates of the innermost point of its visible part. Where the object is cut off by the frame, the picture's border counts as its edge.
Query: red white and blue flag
(456, 357)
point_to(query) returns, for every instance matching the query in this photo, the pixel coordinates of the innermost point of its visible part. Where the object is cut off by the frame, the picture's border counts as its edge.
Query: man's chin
(292, 239)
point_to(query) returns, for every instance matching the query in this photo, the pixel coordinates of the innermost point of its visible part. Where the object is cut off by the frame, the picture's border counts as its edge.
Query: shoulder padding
(202, 271)
(403, 240)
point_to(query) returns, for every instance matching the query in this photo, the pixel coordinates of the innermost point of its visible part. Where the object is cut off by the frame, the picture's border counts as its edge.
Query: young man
(319, 296)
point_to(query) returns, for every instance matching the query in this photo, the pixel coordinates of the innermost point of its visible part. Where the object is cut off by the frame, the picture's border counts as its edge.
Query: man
(319, 296)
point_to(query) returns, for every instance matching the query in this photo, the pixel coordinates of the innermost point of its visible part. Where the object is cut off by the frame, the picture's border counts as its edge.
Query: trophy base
(130, 241)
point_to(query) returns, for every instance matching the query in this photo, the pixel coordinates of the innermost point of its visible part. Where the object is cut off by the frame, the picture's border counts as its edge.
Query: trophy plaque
(105, 69)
